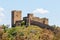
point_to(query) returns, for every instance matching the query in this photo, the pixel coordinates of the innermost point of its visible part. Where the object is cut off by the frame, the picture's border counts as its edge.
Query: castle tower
(30, 15)
(45, 21)
(16, 16)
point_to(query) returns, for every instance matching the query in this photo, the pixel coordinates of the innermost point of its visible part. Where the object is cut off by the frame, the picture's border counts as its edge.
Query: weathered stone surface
(16, 16)
(29, 20)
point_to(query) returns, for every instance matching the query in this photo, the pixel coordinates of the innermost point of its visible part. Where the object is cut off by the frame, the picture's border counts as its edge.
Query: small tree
(22, 23)
(5, 28)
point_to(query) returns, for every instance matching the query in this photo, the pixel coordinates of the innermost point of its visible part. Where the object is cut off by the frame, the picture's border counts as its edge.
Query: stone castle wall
(29, 20)
(16, 16)
(41, 20)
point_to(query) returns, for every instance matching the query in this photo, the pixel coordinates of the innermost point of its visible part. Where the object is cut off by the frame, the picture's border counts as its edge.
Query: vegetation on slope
(29, 33)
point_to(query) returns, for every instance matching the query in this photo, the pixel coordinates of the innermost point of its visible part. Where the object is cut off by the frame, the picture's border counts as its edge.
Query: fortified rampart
(37, 19)
(16, 18)
(29, 20)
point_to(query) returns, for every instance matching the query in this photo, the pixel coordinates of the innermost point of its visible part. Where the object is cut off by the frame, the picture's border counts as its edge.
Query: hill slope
(29, 33)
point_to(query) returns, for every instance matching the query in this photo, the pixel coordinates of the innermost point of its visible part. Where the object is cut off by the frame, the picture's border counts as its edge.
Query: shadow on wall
(32, 22)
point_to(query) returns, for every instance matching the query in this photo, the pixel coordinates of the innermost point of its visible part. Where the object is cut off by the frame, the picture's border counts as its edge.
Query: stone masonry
(15, 16)
(16, 19)
(30, 17)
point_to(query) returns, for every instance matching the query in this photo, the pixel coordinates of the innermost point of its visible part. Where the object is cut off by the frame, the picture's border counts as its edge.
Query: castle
(29, 20)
